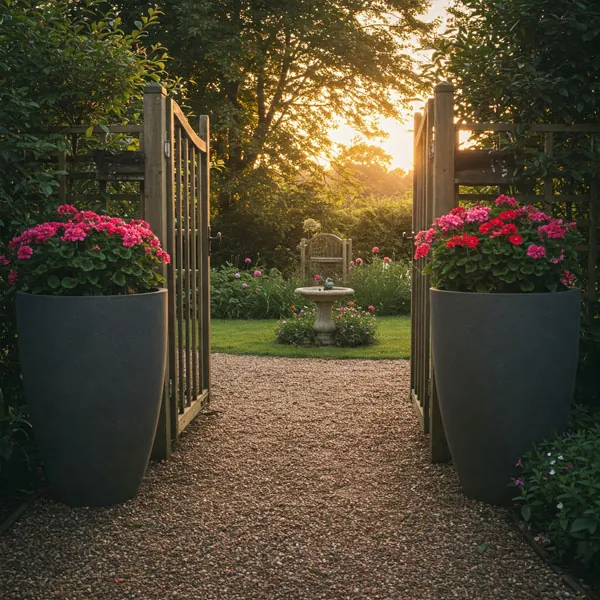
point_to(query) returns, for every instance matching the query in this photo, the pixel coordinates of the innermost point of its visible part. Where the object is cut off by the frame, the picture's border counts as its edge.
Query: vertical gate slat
(180, 266)
(205, 276)
(194, 266)
(186, 272)
(172, 275)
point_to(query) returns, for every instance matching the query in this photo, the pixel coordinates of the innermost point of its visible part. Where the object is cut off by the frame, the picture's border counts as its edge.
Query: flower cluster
(85, 254)
(502, 248)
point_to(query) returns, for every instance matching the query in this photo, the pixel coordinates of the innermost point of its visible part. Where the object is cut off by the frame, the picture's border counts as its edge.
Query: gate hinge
(167, 149)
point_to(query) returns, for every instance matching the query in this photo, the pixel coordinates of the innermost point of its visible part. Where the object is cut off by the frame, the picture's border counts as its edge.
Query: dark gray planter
(93, 372)
(505, 368)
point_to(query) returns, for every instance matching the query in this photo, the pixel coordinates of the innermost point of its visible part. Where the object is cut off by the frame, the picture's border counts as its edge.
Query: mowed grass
(258, 337)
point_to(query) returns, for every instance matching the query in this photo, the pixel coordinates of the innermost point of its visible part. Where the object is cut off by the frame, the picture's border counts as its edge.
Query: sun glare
(399, 143)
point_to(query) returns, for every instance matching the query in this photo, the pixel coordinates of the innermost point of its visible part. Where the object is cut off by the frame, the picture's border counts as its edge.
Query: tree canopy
(523, 60)
(275, 75)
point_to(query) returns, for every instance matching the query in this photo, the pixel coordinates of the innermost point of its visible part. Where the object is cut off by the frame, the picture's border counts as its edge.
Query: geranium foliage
(505, 248)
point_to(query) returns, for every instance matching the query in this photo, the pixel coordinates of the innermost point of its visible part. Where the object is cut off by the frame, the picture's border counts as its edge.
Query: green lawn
(258, 337)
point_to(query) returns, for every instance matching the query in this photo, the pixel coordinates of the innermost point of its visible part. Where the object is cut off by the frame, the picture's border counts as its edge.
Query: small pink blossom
(4, 261)
(387, 259)
(478, 214)
(553, 230)
(371, 307)
(67, 210)
(503, 200)
(163, 256)
(12, 277)
(375, 250)
(422, 251)
(25, 252)
(537, 216)
(536, 252)
(244, 286)
(257, 273)
(73, 234)
(359, 261)
(237, 276)
(558, 259)
(448, 222)
(247, 260)
(568, 278)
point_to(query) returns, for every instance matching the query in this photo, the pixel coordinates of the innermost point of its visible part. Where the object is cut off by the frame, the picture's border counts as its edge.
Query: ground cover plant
(558, 495)
(258, 337)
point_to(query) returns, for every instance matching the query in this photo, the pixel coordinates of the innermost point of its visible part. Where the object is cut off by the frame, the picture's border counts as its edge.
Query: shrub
(297, 329)
(559, 498)
(383, 283)
(252, 293)
(353, 326)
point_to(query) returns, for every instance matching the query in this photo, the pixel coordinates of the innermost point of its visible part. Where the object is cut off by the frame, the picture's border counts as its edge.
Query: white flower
(552, 462)
(552, 472)
(560, 506)
(560, 458)
(549, 454)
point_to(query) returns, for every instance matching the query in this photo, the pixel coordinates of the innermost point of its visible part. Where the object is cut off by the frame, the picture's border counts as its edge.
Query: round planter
(93, 372)
(505, 367)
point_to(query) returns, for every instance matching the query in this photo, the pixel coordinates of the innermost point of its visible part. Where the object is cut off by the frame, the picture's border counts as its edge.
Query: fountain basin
(324, 299)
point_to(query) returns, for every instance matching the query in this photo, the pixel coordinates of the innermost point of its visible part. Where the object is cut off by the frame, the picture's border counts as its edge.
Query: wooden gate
(176, 204)
(442, 174)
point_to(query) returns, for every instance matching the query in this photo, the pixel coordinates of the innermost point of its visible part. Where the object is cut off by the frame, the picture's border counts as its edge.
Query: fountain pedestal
(324, 299)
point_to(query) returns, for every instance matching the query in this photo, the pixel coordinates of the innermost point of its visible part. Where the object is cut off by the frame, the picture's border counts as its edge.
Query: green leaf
(584, 523)
(481, 548)
(68, 282)
(527, 286)
(53, 282)
(119, 279)
(526, 513)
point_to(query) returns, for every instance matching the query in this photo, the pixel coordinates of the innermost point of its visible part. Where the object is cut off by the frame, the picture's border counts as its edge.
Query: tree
(523, 60)
(364, 170)
(275, 75)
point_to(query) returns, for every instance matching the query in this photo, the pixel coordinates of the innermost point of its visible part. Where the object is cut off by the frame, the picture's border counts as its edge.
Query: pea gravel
(308, 479)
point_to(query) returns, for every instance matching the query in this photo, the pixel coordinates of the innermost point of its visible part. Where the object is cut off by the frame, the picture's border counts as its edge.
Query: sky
(399, 144)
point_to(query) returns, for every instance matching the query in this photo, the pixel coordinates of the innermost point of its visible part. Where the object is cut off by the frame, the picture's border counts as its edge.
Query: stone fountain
(324, 297)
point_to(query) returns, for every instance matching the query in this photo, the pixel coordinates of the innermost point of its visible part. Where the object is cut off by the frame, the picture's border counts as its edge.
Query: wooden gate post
(155, 212)
(444, 200)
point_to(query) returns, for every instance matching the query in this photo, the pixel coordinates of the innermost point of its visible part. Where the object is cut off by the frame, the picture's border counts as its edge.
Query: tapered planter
(505, 368)
(93, 372)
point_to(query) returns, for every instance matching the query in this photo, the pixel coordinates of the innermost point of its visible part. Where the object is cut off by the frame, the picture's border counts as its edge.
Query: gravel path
(309, 480)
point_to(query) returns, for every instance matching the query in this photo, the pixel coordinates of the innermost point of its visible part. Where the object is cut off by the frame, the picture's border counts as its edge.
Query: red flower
(496, 222)
(485, 228)
(422, 251)
(515, 239)
(508, 229)
(471, 241)
(507, 215)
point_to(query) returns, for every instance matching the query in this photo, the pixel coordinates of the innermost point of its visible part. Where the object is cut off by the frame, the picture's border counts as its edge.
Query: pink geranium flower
(536, 252)
(375, 250)
(25, 252)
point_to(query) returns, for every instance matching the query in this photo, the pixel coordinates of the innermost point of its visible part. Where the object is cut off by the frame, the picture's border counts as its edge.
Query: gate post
(155, 212)
(444, 200)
